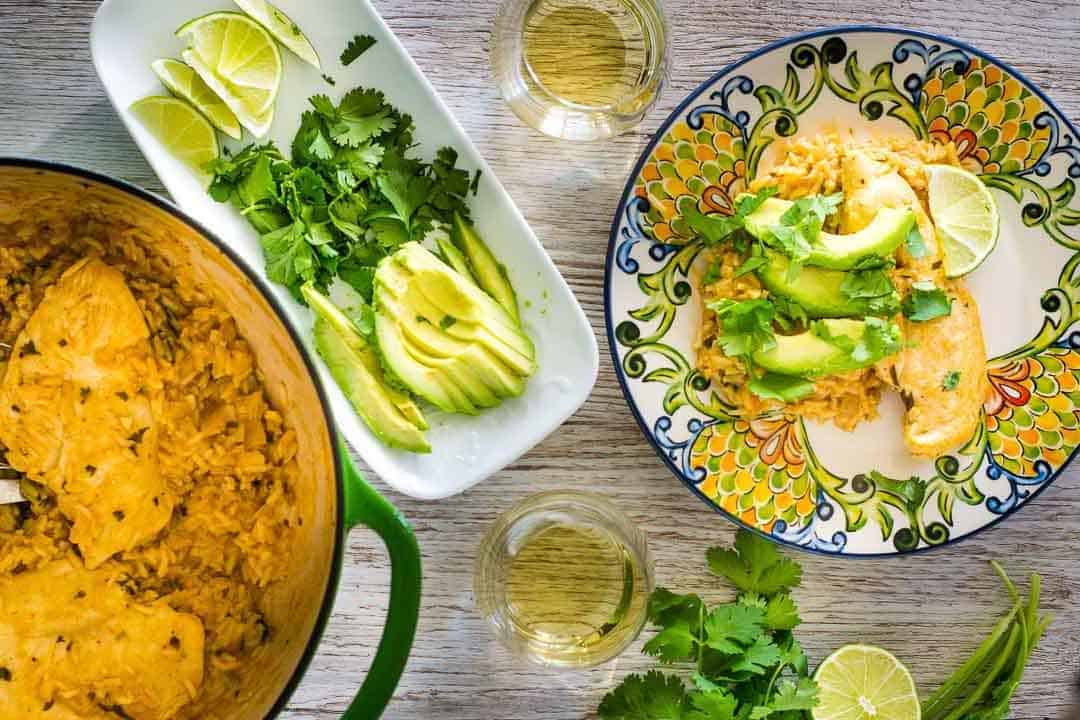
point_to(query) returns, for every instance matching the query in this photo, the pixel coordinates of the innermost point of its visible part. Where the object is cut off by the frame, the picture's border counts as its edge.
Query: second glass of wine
(580, 69)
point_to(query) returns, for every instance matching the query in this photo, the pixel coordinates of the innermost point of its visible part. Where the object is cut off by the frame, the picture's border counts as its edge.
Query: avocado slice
(819, 291)
(391, 415)
(830, 348)
(490, 275)
(444, 337)
(453, 257)
(431, 344)
(513, 348)
(431, 383)
(879, 239)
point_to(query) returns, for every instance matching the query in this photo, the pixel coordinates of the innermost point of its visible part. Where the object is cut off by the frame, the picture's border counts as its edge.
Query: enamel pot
(332, 496)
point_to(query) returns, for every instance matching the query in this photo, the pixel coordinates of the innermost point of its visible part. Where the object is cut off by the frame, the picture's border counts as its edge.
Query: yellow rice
(224, 449)
(806, 166)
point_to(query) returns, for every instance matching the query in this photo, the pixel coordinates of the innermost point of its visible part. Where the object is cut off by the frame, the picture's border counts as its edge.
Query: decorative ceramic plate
(130, 34)
(810, 484)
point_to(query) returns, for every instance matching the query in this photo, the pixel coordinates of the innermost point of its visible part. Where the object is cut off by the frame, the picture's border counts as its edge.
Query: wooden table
(931, 610)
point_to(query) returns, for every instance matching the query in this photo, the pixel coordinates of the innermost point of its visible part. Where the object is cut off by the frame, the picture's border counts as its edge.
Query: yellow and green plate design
(811, 485)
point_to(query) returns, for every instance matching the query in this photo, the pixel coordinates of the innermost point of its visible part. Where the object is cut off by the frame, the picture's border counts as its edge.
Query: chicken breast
(937, 420)
(74, 645)
(77, 406)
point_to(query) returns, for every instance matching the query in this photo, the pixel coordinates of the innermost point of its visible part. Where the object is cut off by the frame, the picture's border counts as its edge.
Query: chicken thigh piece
(938, 419)
(77, 407)
(73, 644)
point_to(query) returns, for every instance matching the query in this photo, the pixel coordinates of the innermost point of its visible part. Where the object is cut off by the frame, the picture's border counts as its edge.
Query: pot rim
(334, 577)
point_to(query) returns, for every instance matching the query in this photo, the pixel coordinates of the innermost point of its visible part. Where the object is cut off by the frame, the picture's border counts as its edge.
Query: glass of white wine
(564, 579)
(580, 69)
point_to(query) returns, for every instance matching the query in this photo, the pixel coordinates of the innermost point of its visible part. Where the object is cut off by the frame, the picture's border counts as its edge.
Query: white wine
(565, 579)
(571, 587)
(580, 69)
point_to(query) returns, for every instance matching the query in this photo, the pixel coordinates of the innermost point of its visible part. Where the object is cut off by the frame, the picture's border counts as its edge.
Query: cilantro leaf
(916, 247)
(712, 272)
(781, 613)
(666, 607)
(801, 694)
(653, 696)
(751, 264)
(755, 565)
(789, 314)
(673, 643)
(758, 658)
(356, 47)
(785, 388)
(926, 302)
(745, 325)
(715, 228)
(716, 704)
(951, 380)
(729, 628)
(289, 259)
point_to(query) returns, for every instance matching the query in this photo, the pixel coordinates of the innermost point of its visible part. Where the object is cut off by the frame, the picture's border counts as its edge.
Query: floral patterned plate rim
(811, 485)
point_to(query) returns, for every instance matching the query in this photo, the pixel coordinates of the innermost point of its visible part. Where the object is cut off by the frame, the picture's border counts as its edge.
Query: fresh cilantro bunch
(349, 195)
(744, 662)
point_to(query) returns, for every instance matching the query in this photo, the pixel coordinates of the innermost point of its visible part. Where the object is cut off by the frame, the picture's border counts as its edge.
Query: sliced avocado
(432, 345)
(829, 348)
(511, 347)
(454, 258)
(430, 383)
(445, 338)
(819, 291)
(879, 239)
(390, 414)
(490, 275)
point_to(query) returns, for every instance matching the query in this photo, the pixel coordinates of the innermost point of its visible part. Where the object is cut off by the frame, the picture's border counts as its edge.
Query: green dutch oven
(332, 496)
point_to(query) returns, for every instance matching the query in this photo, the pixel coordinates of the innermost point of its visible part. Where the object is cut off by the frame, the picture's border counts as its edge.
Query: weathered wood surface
(931, 609)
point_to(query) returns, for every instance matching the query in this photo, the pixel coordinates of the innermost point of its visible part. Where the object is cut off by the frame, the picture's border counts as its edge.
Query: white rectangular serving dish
(127, 35)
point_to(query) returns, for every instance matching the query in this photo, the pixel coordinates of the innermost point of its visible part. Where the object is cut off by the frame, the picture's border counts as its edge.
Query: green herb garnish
(744, 660)
(874, 286)
(745, 326)
(349, 195)
(926, 301)
(951, 380)
(916, 247)
(447, 321)
(356, 47)
(714, 229)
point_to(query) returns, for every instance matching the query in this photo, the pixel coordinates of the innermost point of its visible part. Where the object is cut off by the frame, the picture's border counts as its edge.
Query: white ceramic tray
(128, 35)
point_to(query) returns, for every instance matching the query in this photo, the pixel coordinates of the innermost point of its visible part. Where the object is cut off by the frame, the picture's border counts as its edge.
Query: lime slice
(242, 57)
(182, 81)
(180, 127)
(256, 123)
(863, 682)
(281, 27)
(966, 216)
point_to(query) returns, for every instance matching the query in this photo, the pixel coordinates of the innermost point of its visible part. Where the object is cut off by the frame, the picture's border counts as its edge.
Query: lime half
(256, 123)
(241, 56)
(966, 216)
(863, 682)
(281, 27)
(180, 127)
(182, 81)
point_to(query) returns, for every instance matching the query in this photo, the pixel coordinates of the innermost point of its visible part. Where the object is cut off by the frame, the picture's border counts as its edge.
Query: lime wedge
(256, 123)
(966, 216)
(182, 81)
(863, 682)
(281, 27)
(242, 58)
(180, 127)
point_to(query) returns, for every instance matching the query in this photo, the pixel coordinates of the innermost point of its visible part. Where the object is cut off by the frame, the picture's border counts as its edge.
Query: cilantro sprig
(925, 302)
(359, 45)
(352, 191)
(745, 663)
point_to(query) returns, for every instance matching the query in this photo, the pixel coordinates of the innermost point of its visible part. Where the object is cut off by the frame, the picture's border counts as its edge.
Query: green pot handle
(365, 506)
